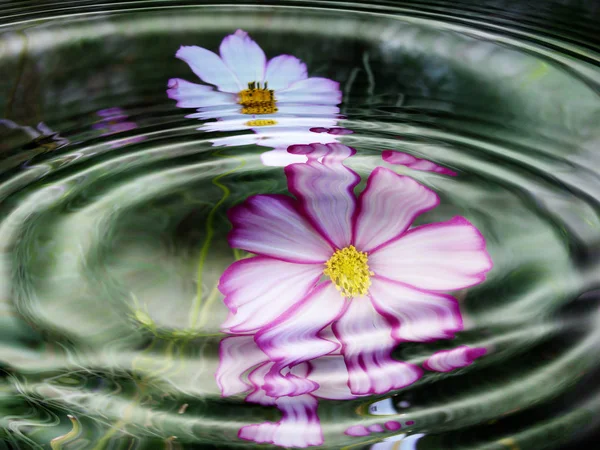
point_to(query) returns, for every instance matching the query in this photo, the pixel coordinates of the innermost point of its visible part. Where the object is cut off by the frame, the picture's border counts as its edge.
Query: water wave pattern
(113, 225)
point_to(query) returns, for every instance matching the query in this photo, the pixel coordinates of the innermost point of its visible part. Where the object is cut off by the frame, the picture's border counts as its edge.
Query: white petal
(191, 95)
(244, 57)
(209, 68)
(280, 158)
(283, 70)
(314, 111)
(322, 91)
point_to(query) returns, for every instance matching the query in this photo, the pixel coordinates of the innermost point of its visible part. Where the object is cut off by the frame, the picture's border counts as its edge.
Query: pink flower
(242, 368)
(252, 92)
(114, 120)
(328, 258)
(404, 159)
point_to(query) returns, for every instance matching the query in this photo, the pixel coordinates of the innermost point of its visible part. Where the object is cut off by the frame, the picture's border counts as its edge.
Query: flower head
(244, 367)
(250, 92)
(393, 279)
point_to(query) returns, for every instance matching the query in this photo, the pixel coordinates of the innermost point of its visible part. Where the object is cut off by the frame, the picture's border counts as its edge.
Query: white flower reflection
(399, 442)
(279, 139)
(41, 135)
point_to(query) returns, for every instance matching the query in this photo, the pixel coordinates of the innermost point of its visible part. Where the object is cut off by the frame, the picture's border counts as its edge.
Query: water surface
(113, 225)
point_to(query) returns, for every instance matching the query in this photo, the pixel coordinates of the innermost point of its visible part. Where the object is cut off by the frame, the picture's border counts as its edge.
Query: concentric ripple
(113, 226)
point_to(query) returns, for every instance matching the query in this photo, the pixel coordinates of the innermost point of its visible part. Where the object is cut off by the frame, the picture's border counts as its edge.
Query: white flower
(250, 92)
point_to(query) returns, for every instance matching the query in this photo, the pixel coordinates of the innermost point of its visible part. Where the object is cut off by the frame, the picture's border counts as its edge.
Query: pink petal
(314, 90)
(281, 138)
(448, 360)
(388, 206)
(191, 95)
(330, 373)
(416, 316)
(366, 346)
(258, 290)
(263, 433)
(244, 57)
(299, 426)
(112, 113)
(294, 338)
(404, 159)
(438, 257)
(316, 151)
(392, 425)
(338, 131)
(357, 431)
(283, 70)
(325, 194)
(270, 225)
(209, 68)
(257, 378)
(237, 354)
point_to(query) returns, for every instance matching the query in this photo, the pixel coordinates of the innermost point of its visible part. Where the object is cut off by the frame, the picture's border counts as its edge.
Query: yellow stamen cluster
(261, 123)
(349, 270)
(46, 143)
(257, 100)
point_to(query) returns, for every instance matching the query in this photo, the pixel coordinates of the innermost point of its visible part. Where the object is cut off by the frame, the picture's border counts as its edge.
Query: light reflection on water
(114, 224)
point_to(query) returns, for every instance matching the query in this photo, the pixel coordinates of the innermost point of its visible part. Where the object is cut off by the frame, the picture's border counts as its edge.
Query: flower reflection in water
(404, 159)
(41, 136)
(113, 121)
(448, 360)
(336, 283)
(328, 258)
(242, 369)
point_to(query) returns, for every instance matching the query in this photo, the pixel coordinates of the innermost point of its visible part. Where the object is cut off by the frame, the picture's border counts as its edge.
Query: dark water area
(327, 224)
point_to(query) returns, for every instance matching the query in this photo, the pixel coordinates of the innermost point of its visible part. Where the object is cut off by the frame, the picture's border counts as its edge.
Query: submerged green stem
(195, 309)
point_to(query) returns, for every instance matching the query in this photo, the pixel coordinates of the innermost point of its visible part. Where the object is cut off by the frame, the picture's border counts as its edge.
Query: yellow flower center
(261, 123)
(257, 100)
(349, 270)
